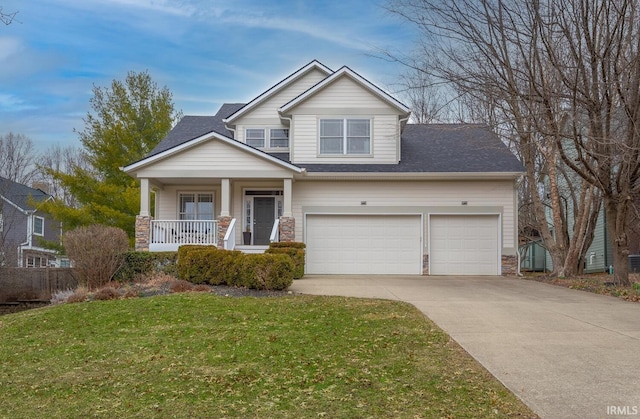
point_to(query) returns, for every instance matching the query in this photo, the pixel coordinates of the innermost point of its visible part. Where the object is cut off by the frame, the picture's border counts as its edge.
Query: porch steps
(251, 249)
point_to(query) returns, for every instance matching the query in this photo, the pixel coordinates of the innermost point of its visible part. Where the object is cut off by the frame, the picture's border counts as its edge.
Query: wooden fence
(24, 284)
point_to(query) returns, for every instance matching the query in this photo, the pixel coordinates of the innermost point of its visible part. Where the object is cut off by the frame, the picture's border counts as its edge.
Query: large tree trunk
(617, 212)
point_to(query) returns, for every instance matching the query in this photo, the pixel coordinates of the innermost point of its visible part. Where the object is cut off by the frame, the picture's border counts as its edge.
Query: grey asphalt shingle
(441, 148)
(436, 148)
(191, 127)
(19, 194)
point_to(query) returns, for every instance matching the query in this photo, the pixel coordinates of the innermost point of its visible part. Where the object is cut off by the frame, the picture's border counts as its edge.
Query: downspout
(517, 222)
(399, 148)
(290, 119)
(29, 238)
(233, 130)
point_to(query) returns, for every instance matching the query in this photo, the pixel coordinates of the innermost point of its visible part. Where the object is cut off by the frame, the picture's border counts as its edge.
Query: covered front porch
(242, 214)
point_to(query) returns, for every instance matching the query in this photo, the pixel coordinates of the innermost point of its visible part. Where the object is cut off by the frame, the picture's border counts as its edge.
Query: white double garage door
(392, 244)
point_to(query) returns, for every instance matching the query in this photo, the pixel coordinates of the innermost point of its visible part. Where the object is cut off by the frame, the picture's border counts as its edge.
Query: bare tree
(60, 160)
(18, 158)
(7, 17)
(428, 104)
(490, 53)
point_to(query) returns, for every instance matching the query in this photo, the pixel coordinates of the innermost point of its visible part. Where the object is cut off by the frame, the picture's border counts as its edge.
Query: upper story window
(196, 206)
(345, 136)
(38, 226)
(278, 138)
(267, 138)
(255, 137)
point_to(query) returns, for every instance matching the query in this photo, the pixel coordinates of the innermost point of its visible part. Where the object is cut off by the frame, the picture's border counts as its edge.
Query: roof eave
(339, 73)
(315, 64)
(418, 175)
(132, 168)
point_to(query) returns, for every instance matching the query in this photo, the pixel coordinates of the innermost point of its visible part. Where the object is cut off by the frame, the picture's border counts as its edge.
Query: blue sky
(206, 52)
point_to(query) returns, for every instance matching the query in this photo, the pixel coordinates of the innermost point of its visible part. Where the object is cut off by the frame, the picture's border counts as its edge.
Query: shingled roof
(441, 148)
(20, 194)
(191, 127)
(426, 148)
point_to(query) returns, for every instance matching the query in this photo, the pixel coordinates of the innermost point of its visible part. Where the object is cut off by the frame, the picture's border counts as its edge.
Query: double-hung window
(255, 137)
(196, 206)
(278, 138)
(38, 226)
(345, 136)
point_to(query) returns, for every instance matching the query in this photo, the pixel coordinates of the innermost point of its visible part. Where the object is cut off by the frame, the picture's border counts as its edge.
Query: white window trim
(247, 139)
(198, 192)
(266, 138)
(35, 233)
(345, 151)
(271, 138)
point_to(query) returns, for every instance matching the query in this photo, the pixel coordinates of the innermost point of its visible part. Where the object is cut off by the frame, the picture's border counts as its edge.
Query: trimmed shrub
(295, 245)
(196, 265)
(296, 255)
(267, 271)
(136, 264)
(225, 267)
(97, 252)
(183, 269)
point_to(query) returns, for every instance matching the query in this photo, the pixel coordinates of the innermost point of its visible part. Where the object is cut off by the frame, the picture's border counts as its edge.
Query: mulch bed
(598, 283)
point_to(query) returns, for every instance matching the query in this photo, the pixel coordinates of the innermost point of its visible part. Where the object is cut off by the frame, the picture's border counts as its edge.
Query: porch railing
(275, 231)
(172, 233)
(230, 236)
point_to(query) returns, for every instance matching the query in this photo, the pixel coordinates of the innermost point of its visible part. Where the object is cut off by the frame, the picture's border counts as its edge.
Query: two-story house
(24, 229)
(327, 158)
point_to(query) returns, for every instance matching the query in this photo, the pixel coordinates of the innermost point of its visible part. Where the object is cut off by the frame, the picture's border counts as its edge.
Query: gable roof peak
(345, 71)
(313, 65)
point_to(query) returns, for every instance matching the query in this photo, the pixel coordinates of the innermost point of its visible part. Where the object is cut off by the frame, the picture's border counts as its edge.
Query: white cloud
(9, 47)
(11, 103)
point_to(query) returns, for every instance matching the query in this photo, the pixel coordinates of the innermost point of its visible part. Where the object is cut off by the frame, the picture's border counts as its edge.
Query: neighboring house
(327, 158)
(23, 228)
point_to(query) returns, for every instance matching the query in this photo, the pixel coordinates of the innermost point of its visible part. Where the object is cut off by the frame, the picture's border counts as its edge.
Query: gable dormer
(259, 123)
(345, 119)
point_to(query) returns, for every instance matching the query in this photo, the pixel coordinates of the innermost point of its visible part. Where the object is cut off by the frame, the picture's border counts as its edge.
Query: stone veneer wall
(143, 233)
(223, 225)
(425, 265)
(287, 229)
(509, 265)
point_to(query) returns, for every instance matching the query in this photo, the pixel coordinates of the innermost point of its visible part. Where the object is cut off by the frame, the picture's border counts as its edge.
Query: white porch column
(144, 197)
(225, 211)
(287, 191)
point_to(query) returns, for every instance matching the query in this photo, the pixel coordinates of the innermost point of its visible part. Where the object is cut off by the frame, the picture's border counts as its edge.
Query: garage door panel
(464, 245)
(363, 244)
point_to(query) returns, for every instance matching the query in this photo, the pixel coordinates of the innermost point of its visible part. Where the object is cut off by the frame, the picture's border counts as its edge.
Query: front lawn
(201, 355)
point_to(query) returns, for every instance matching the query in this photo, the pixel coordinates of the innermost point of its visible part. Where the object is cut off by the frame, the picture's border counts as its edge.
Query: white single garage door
(363, 244)
(463, 244)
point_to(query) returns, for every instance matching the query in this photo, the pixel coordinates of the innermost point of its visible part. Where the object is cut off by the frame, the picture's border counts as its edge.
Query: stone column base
(223, 226)
(509, 265)
(287, 229)
(143, 233)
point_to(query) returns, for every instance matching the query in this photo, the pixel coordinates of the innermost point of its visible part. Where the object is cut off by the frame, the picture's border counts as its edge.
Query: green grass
(199, 355)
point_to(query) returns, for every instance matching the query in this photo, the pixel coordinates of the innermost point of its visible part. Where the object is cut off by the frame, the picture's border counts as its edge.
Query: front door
(263, 218)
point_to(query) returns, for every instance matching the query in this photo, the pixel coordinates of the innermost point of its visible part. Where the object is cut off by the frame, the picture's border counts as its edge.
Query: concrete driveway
(565, 353)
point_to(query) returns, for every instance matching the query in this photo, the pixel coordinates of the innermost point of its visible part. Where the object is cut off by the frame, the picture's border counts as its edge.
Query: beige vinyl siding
(199, 159)
(343, 94)
(267, 112)
(167, 199)
(408, 197)
(384, 134)
(344, 98)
